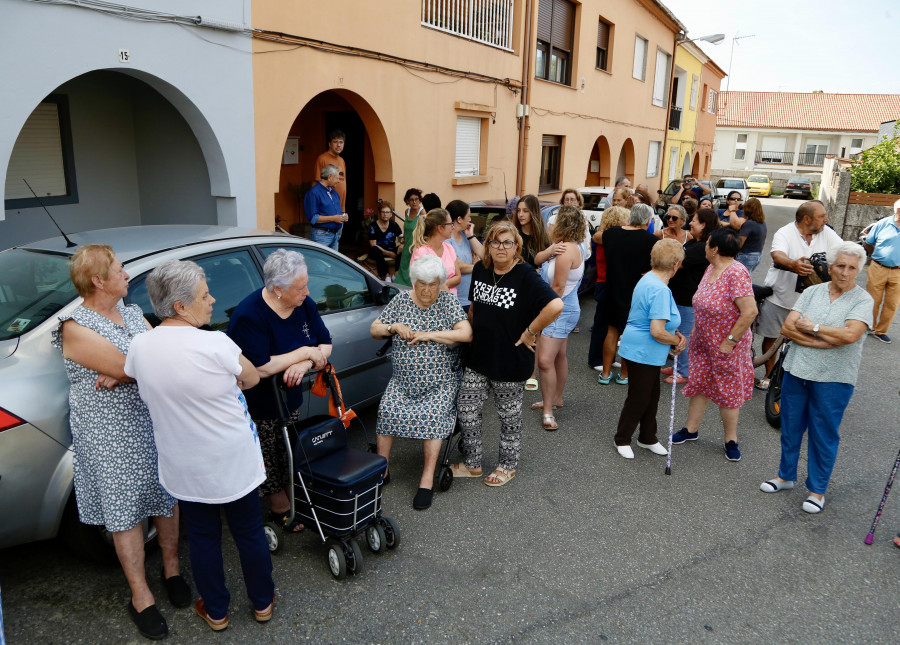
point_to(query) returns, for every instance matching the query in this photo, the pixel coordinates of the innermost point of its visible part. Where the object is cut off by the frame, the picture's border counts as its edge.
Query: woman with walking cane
(828, 325)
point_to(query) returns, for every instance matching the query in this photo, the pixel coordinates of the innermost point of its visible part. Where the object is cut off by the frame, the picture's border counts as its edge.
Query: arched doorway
(366, 155)
(598, 165)
(686, 166)
(695, 168)
(107, 149)
(625, 167)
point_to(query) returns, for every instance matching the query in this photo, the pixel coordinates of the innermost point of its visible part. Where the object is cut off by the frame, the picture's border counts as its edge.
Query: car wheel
(95, 542)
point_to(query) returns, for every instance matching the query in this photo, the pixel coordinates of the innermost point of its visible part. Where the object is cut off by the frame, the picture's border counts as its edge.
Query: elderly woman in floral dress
(420, 399)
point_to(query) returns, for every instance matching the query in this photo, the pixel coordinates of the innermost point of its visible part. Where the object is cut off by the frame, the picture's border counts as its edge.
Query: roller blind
(38, 157)
(468, 146)
(556, 23)
(603, 35)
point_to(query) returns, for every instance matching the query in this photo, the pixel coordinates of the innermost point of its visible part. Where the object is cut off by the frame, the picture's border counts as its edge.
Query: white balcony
(489, 22)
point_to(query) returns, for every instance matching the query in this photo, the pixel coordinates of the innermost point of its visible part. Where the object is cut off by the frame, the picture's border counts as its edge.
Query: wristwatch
(816, 330)
(732, 339)
(390, 332)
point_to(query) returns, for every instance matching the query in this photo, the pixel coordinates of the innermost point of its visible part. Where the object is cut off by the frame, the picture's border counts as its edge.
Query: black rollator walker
(334, 487)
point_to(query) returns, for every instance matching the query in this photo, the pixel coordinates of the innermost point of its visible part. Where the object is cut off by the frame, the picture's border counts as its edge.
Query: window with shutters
(468, 146)
(551, 147)
(604, 38)
(640, 58)
(555, 35)
(485, 21)
(661, 78)
(695, 84)
(653, 158)
(713, 101)
(42, 156)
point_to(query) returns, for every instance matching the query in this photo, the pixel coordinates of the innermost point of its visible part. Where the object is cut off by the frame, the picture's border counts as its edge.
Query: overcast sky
(841, 46)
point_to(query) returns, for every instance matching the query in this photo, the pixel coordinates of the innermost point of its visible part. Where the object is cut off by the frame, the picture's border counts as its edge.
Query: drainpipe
(528, 56)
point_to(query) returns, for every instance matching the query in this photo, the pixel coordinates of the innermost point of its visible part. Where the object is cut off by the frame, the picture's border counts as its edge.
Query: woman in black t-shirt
(510, 307)
(384, 238)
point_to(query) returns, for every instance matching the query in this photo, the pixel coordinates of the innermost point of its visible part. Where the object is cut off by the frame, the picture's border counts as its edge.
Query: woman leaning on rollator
(827, 326)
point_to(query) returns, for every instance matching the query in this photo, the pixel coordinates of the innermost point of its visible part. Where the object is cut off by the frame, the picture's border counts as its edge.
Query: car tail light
(8, 420)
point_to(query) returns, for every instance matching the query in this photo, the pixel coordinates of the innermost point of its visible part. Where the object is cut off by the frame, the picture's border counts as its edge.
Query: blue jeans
(687, 324)
(749, 260)
(598, 333)
(203, 525)
(818, 407)
(325, 236)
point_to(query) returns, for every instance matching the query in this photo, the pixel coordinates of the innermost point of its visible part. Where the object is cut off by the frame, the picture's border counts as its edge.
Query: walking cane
(672, 414)
(887, 489)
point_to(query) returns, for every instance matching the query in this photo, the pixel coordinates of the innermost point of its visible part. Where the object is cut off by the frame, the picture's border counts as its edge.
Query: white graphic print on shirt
(493, 295)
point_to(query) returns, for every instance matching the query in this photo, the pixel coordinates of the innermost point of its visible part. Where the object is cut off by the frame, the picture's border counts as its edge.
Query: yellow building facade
(469, 100)
(681, 153)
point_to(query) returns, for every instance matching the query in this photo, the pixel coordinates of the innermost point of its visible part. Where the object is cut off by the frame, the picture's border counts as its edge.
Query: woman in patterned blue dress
(420, 399)
(116, 478)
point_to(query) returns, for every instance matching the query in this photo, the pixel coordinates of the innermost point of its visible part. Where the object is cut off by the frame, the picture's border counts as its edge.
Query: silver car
(36, 494)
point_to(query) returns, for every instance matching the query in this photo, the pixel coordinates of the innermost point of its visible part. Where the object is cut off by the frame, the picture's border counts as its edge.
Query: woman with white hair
(209, 454)
(827, 326)
(420, 399)
(280, 330)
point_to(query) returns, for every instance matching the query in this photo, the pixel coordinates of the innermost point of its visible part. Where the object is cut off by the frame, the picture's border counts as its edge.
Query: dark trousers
(640, 405)
(598, 333)
(203, 525)
(375, 252)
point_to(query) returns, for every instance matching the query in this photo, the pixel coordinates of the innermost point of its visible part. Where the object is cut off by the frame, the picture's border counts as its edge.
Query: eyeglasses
(447, 224)
(504, 244)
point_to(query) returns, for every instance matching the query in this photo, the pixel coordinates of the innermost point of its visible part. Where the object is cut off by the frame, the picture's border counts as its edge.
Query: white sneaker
(388, 279)
(625, 451)
(617, 364)
(656, 448)
(599, 368)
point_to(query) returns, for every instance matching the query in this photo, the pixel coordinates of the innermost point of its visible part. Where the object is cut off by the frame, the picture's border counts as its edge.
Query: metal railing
(774, 157)
(811, 158)
(485, 21)
(674, 118)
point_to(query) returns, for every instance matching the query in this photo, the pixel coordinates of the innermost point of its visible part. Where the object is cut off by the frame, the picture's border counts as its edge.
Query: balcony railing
(775, 157)
(674, 118)
(484, 21)
(811, 158)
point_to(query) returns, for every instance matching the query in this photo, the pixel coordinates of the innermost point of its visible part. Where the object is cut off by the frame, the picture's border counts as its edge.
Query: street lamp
(713, 39)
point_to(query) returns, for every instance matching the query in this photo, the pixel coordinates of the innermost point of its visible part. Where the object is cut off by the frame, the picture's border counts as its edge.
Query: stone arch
(695, 167)
(626, 160)
(599, 159)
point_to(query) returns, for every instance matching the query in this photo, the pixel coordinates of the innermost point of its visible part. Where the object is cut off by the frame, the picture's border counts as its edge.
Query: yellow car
(760, 185)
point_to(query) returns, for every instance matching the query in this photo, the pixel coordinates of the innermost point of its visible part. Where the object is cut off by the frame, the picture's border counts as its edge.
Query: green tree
(877, 170)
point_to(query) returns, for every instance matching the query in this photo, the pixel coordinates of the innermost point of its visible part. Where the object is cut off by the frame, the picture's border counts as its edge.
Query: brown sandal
(500, 476)
(461, 470)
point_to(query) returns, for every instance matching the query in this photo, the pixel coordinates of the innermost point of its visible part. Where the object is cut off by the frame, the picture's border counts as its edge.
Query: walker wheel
(273, 537)
(375, 538)
(334, 556)
(354, 557)
(391, 532)
(445, 481)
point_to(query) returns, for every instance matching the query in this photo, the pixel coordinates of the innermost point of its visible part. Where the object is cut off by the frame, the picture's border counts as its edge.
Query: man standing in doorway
(621, 182)
(792, 246)
(690, 189)
(333, 156)
(322, 206)
(883, 281)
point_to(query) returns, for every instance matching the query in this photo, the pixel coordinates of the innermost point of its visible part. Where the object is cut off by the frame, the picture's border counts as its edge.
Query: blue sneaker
(683, 435)
(732, 452)
(884, 338)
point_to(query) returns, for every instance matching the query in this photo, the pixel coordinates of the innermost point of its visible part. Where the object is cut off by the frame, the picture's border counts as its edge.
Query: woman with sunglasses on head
(732, 207)
(511, 305)
(431, 238)
(674, 223)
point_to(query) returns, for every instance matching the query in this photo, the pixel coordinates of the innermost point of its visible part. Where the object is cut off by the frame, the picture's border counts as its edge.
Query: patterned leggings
(508, 397)
(274, 452)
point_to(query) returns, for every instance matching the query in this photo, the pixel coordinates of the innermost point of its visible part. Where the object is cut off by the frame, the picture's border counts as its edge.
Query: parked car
(36, 493)
(798, 187)
(760, 185)
(729, 184)
(665, 196)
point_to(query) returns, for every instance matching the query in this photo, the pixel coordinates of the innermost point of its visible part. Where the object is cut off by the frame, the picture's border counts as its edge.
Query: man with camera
(690, 189)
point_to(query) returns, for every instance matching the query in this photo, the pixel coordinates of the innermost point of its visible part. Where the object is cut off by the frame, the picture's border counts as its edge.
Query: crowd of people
(481, 317)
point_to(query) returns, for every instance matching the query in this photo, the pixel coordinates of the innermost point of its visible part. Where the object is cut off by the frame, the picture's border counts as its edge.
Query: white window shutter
(660, 84)
(468, 146)
(653, 158)
(37, 156)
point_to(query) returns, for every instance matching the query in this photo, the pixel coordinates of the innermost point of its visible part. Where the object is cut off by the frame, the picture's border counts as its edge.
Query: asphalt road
(581, 547)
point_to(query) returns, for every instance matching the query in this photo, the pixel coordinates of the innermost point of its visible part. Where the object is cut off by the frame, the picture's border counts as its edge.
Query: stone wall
(860, 216)
(847, 219)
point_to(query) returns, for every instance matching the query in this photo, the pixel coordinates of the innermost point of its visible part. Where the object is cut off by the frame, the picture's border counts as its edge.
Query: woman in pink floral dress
(719, 350)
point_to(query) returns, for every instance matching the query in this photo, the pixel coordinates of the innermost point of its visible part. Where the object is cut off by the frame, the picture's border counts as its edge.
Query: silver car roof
(131, 242)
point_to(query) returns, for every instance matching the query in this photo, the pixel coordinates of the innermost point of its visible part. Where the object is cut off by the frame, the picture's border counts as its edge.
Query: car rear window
(33, 287)
(758, 179)
(798, 180)
(733, 183)
(594, 201)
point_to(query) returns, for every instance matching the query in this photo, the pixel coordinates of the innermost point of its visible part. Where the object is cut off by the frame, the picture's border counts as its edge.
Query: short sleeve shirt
(789, 241)
(464, 252)
(385, 239)
(651, 300)
(885, 237)
(262, 334)
(839, 364)
(755, 232)
(502, 307)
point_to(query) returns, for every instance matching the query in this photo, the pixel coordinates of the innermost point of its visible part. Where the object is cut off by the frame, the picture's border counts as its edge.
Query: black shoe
(422, 500)
(150, 622)
(178, 590)
(683, 435)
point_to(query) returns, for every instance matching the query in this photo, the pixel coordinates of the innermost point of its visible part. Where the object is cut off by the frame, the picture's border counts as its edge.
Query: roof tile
(802, 111)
